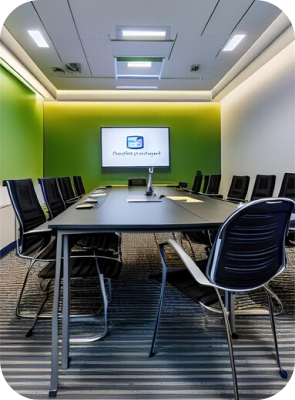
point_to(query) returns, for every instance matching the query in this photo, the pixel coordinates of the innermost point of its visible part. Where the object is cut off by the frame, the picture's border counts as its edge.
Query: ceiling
(84, 31)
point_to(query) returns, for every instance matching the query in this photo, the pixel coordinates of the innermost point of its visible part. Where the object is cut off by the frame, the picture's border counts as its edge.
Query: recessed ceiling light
(127, 33)
(137, 87)
(38, 38)
(234, 41)
(139, 64)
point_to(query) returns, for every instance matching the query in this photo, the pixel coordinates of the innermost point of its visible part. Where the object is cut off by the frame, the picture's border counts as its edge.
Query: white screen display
(135, 147)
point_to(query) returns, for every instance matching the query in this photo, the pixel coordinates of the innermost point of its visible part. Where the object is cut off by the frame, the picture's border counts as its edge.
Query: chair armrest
(37, 231)
(190, 265)
(73, 200)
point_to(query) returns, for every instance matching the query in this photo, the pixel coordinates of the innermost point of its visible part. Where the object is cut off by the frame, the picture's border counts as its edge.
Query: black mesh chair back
(197, 184)
(263, 186)
(78, 184)
(206, 183)
(29, 214)
(250, 246)
(52, 196)
(213, 185)
(137, 182)
(288, 186)
(239, 187)
(66, 190)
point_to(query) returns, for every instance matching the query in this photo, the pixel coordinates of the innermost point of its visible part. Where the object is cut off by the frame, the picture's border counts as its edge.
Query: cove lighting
(234, 41)
(143, 33)
(137, 87)
(38, 38)
(139, 64)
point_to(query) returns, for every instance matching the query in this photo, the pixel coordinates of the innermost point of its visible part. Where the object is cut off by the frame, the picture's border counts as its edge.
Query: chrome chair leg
(230, 345)
(283, 373)
(164, 274)
(105, 306)
(110, 292)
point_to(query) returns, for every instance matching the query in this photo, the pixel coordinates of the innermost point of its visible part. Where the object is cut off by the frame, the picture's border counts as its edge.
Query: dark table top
(114, 212)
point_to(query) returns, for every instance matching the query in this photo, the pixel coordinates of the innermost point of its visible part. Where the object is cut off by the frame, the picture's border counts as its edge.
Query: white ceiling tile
(226, 15)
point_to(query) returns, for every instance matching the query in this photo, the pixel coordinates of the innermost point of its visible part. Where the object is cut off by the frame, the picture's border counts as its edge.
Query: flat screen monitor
(135, 147)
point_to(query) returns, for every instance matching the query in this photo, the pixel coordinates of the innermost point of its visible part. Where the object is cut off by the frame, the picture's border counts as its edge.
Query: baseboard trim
(7, 249)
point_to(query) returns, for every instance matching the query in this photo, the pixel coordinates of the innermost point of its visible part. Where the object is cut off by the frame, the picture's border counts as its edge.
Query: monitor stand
(149, 189)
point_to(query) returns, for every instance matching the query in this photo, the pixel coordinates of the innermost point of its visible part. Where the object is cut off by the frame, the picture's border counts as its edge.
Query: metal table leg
(66, 303)
(54, 334)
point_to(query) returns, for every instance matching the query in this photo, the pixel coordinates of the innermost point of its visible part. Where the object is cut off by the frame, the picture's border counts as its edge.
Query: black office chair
(106, 246)
(238, 188)
(66, 190)
(288, 190)
(39, 245)
(196, 187)
(213, 184)
(78, 185)
(248, 252)
(206, 183)
(137, 182)
(263, 186)
(288, 186)
(52, 196)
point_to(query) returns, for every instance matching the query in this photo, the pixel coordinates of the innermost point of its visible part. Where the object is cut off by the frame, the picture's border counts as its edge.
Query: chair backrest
(66, 188)
(78, 184)
(52, 196)
(288, 186)
(197, 183)
(206, 183)
(213, 185)
(28, 211)
(239, 187)
(263, 186)
(249, 248)
(137, 182)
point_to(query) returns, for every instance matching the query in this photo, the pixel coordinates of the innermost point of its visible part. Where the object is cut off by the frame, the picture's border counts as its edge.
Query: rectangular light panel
(38, 38)
(234, 41)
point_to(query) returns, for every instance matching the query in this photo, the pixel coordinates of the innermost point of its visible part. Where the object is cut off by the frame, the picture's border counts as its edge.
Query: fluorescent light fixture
(137, 87)
(128, 33)
(139, 64)
(38, 38)
(234, 41)
(137, 76)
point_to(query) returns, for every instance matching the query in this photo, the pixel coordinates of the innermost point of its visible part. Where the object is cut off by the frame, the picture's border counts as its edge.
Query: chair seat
(84, 267)
(185, 283)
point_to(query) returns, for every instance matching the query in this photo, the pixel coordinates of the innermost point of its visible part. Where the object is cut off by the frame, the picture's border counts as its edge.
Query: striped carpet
(192, 356)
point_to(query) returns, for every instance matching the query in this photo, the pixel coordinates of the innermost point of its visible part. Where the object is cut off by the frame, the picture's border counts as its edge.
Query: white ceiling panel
(57, 17)
(103, 16)
(226, 15)
(79, 31)
(100, 57)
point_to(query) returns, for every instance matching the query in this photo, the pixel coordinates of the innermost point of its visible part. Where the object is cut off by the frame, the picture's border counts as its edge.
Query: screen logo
(135, 142)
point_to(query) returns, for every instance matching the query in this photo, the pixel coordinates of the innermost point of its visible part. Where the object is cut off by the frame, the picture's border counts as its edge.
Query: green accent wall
(21, 129)
(72, 139)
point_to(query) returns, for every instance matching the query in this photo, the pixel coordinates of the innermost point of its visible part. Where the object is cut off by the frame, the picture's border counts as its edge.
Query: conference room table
(123, 209)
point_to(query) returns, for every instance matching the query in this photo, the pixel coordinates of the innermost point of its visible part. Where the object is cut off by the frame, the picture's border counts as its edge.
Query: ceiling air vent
(195, 68)
(59, 71)
(73, 67)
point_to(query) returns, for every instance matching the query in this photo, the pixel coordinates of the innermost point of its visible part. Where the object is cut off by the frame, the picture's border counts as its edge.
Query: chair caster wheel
(235, 335)
(283, 373)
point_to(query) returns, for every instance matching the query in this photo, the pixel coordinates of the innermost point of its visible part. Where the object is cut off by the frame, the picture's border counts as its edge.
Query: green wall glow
(21, 130)
(72, 138)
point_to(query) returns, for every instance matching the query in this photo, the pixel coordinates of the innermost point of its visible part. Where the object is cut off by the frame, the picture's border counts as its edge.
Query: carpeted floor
(192, 356)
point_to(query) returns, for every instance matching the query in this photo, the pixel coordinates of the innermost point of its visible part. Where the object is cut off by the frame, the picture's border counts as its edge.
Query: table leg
(54, 330)
(66, 303)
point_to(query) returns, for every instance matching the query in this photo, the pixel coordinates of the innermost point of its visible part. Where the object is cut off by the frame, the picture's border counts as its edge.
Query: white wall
(257, 123)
